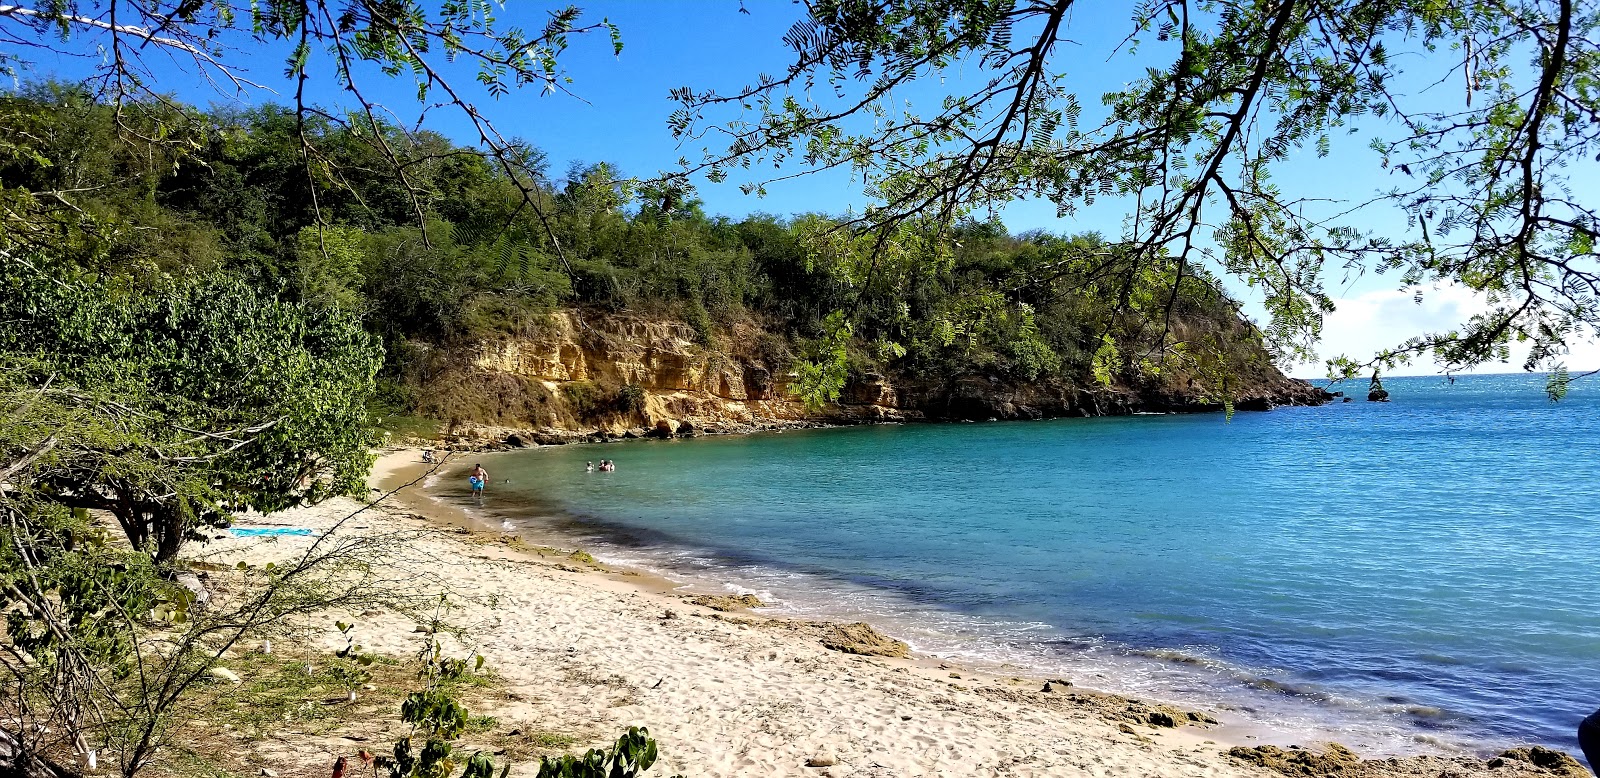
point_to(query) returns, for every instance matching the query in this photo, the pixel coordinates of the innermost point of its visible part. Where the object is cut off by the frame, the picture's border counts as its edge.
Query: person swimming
(607, 466)
(588, 467)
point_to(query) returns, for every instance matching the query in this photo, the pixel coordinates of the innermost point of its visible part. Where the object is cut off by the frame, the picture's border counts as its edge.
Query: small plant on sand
(437, 717)
(349, 669)
(632, 754)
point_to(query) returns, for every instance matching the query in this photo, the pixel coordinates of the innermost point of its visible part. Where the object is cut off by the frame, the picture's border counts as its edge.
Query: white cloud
(1361, 326)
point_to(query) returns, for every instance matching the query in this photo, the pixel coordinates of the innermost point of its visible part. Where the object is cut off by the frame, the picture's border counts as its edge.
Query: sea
(1420, 575)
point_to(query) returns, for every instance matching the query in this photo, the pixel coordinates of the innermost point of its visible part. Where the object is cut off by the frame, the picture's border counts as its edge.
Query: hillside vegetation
(438, 252)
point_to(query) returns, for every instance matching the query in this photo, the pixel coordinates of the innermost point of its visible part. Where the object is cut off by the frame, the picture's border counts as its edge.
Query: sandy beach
(579, 652)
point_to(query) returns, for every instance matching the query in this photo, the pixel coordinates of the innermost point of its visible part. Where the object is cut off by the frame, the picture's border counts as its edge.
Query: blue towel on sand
(251, 532)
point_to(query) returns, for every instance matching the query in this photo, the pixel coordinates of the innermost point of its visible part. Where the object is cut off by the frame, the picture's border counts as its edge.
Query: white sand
(590, 652)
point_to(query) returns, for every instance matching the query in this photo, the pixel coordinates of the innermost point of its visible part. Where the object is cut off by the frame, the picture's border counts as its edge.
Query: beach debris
(670, 614)
(266, 773)
(723, 602)
(823, 758)
(1295, 760)
(1048, 687)
(860, 638)
(955, 675)
(905, 717)
(196, 587)
(1557, 762)
(225, 674)
(657, 684)
(266, 647)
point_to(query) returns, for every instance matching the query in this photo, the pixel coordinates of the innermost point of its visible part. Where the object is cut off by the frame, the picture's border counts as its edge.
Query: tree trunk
(169, 529)
(16, 761)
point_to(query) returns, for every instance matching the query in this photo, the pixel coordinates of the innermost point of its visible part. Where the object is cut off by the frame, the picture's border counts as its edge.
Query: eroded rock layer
(622, 375)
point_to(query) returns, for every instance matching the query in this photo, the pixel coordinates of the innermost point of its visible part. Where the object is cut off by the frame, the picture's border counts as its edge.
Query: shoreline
(582, 650)
(1230, 729)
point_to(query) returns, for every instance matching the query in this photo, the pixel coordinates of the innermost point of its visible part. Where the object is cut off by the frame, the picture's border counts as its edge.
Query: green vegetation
(632, 754)
(230, 203)
(223, 397)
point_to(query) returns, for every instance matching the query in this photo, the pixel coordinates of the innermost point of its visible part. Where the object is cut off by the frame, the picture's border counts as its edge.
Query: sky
(619, 105)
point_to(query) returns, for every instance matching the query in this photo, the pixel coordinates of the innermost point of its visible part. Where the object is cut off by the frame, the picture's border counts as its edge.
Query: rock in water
(720, 602)
(1376, 393)
(861, 638)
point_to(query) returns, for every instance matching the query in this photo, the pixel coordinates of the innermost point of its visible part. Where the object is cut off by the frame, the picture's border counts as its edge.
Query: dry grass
(296, 723)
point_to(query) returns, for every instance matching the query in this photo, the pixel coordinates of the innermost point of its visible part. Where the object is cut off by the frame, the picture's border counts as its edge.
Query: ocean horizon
(1398, 577)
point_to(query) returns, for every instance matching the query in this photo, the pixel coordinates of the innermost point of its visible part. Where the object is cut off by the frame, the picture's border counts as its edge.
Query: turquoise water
(1423, 570)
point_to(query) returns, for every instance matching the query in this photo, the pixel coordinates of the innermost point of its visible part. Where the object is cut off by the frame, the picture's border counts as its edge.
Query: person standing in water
(478, 478)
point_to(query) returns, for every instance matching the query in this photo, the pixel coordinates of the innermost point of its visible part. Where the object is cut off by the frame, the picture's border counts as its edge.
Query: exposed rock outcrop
(592, 376)
(860, 638)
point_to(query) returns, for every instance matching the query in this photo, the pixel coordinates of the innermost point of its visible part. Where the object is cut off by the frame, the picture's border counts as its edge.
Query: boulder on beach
(1333, 759)
(1548, 759)
(725, 602)
(861, 638)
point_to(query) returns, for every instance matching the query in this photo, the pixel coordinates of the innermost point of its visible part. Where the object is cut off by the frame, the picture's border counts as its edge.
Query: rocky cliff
(586, 375)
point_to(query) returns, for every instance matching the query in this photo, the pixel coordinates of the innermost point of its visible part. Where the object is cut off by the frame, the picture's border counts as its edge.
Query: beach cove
(585, 649)
(1381, 570)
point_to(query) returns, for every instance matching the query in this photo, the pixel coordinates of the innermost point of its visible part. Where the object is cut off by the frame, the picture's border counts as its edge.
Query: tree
(129, 41)
(220, 398)
(103, 647)
(1493, 188)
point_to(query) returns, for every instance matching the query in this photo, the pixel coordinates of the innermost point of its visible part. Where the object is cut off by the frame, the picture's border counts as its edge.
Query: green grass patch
(552, 741)
(308, 694)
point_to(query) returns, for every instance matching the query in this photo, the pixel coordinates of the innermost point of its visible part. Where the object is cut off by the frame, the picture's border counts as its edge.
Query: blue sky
(620, 117)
